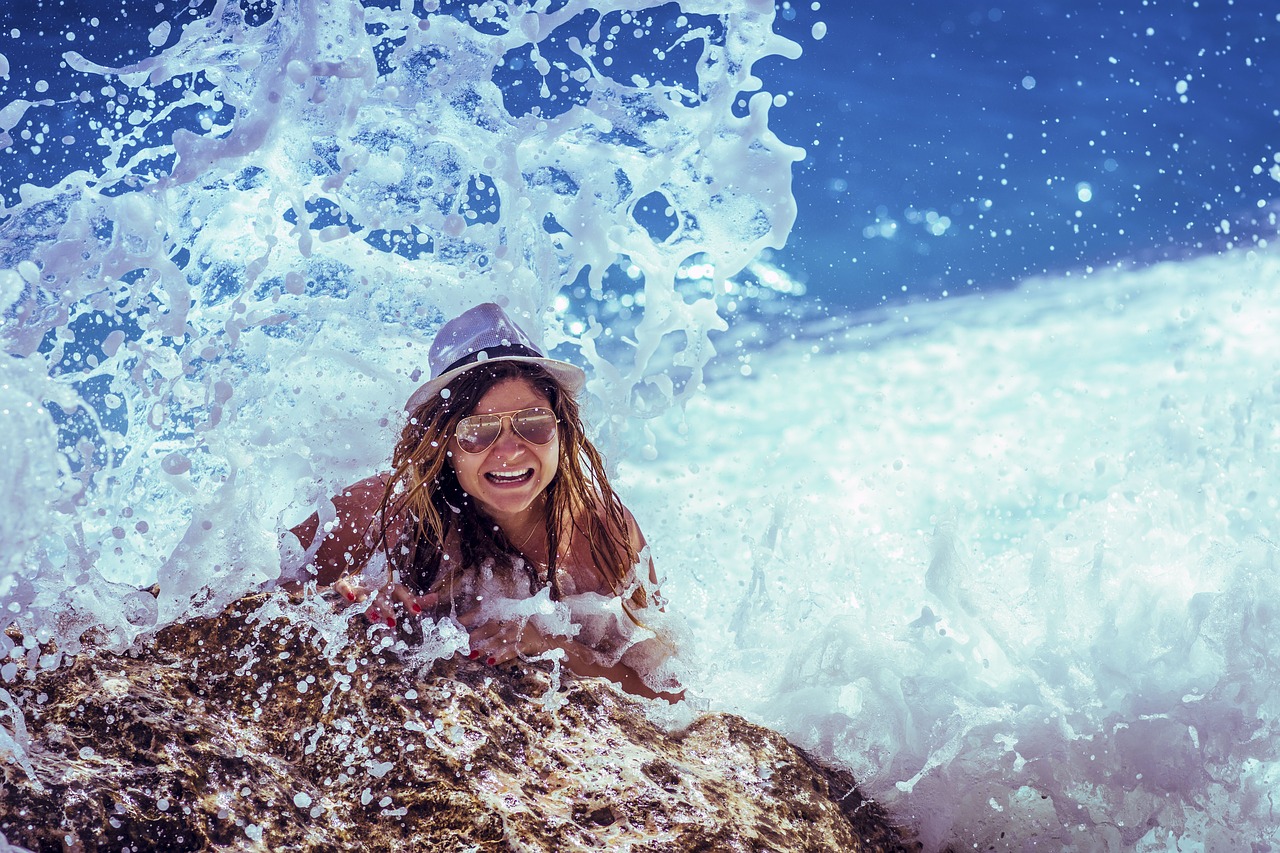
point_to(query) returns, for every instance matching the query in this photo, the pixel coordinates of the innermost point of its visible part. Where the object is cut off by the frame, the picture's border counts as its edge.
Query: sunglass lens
(478, 432)
(535, 425)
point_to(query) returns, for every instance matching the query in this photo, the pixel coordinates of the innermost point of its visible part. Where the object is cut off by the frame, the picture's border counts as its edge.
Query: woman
(497, 499)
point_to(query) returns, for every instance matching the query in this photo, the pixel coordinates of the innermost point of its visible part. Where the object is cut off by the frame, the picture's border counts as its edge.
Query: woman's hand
(383, 599)
(499, 642)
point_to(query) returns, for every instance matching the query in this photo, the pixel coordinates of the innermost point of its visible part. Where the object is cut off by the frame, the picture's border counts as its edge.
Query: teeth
(510, 476)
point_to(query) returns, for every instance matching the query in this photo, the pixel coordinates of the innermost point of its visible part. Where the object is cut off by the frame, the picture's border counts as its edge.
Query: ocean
(932, 347)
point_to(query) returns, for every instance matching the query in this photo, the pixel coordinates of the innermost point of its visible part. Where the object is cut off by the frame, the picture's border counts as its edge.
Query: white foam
(1012, 563)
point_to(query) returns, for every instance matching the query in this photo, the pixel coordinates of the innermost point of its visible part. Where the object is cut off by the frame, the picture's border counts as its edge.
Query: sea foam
(1009, 558)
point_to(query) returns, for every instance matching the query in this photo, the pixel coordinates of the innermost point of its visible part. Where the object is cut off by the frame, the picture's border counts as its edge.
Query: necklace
(527, 539)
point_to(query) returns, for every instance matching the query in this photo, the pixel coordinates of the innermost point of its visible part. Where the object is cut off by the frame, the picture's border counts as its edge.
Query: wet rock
(279, 726)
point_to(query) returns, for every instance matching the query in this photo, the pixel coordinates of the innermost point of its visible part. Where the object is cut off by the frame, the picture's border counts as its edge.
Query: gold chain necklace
(527, 540)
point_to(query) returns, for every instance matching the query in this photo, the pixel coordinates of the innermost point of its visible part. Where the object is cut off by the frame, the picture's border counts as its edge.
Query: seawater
(1011, 559)
(1007, 558)
(223, 303)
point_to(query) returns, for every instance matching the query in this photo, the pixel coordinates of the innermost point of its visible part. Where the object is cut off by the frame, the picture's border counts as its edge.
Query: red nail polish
(491, 661)
(391, 622)
(473, 654)
(351, 596)
(417, 609)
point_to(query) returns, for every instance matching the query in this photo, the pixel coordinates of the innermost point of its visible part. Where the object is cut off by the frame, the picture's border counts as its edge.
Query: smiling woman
(497, 497)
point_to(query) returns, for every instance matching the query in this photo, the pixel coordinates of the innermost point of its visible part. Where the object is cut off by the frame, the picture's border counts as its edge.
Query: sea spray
(230, 289)
(1013, 565)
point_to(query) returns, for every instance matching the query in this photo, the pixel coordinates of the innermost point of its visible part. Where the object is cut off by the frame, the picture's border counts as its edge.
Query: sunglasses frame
(510, 418)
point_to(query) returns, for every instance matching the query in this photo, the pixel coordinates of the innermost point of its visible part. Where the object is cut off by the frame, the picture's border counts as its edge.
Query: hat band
(494, 352)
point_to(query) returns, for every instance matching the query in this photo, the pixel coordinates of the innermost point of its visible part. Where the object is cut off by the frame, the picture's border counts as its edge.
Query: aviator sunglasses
(477, 433)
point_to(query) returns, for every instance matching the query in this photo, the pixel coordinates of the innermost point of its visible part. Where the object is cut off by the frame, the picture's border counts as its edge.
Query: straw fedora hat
(482, 334)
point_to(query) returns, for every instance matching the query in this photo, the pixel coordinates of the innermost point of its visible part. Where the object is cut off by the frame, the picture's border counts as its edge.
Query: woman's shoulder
(362, 499)
(596, 520)
(376, 484)
(618, 514)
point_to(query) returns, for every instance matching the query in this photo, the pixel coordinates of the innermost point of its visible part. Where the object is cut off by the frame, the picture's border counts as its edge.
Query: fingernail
(351, 596)
(473, 654)
(417, 609)
(491, 661)
(391, 622)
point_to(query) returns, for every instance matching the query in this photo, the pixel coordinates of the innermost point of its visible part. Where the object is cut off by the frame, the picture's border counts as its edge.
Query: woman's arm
(501, 642)
(581, 661)
(638, 544)
(350, 538)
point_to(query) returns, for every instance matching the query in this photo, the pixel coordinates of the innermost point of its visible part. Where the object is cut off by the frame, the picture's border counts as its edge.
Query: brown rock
(275, 726)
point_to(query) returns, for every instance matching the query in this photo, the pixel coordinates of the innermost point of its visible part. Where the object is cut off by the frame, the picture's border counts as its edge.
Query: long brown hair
(424, 490)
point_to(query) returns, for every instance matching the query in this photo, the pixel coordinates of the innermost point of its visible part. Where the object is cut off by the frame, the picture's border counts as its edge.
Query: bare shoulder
(634, 534)
(377, 484)
(638, 543)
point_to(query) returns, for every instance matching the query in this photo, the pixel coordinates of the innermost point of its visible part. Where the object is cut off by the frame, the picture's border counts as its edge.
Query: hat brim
(570, 376)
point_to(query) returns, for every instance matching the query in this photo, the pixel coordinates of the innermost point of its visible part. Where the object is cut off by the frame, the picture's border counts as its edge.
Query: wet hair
(424, 490)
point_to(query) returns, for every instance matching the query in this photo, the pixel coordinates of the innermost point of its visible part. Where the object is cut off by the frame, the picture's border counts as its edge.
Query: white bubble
(160, 34)
(1084, 192)
(819, 31)
(1028, 82)
(302, 799)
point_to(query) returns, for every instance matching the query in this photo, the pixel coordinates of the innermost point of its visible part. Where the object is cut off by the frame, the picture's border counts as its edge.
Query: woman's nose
(507, 439)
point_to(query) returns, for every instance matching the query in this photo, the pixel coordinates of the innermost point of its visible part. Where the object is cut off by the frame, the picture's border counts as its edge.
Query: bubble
(160, 34)
(454, 225)
(175, 464)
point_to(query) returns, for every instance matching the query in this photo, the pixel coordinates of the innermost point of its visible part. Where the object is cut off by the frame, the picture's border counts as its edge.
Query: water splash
(1012, 563)
(285, 201)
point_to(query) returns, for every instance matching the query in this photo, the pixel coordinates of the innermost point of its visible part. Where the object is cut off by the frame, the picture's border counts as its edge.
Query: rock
(282, 726)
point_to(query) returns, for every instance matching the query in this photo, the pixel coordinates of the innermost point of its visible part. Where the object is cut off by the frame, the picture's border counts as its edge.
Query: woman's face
(509, 476)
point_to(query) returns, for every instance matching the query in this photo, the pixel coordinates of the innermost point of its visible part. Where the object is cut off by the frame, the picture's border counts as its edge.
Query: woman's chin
(506, 502)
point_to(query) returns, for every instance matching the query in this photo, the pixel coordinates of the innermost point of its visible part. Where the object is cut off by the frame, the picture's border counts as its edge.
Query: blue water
(967, 487)
(994, 115)
(991, 116)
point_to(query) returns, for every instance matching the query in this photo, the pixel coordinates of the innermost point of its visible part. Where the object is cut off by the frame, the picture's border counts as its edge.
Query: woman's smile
(507, 478)
(510, 475)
